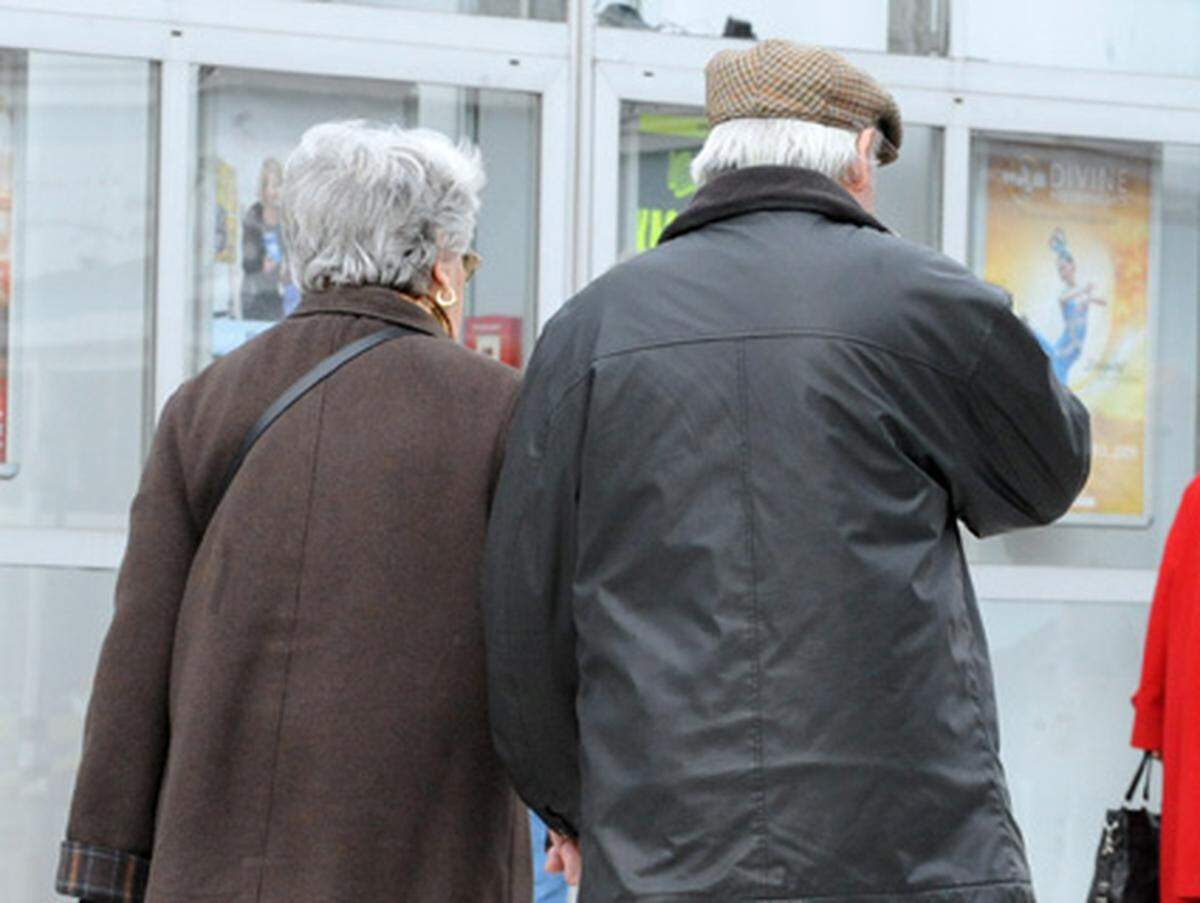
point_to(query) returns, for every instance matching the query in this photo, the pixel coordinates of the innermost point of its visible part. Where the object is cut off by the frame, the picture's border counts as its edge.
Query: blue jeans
(546, 888)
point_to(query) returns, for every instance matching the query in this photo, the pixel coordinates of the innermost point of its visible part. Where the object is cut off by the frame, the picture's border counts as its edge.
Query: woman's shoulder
(472, 372)
(472, 363)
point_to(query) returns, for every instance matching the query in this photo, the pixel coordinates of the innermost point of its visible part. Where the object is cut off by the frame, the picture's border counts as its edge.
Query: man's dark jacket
(732, 637)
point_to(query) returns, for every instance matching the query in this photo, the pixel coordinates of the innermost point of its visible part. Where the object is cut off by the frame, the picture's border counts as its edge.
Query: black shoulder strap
(298, 389)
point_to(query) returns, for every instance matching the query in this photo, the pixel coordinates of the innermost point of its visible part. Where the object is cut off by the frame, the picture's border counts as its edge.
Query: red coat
(1168, 701)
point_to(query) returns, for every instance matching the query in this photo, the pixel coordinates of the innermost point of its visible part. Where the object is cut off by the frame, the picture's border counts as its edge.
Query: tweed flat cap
(781, 80)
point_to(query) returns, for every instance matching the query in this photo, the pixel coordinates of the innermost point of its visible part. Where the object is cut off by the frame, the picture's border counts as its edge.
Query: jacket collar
(769, 188)
(371, 301)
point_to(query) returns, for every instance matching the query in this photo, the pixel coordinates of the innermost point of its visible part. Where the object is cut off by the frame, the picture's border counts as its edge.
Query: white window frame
(961, 97)
(288, 37)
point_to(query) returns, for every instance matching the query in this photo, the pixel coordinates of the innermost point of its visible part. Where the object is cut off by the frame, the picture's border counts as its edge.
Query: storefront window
(1097, 242)
(1151, 36)
(895, 26)
(659, 142)
(549, 10)
(249, 121)
(77, 151)
(54, 622)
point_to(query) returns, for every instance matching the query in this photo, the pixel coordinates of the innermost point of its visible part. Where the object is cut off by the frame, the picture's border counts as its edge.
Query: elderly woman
(290, 703)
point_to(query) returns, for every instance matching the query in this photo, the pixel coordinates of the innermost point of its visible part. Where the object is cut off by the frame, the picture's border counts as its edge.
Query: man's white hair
(373, 205)
(739, 143)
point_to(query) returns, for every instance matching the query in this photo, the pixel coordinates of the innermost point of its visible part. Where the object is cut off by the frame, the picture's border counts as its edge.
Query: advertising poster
(1067, 230)
(7, 151)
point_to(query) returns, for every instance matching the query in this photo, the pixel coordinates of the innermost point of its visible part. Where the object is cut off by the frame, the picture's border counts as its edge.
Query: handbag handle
(1144, 769)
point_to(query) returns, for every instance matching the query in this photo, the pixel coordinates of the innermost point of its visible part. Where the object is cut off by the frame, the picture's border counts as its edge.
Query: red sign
(497, 337)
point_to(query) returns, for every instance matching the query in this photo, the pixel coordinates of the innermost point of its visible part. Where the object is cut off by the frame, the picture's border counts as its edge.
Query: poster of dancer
(1069, 232)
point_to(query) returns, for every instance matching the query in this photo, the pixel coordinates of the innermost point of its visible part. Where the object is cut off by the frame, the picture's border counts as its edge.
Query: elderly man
(733, 646)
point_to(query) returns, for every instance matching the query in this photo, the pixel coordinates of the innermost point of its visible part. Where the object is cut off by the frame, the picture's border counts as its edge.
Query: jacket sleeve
(1148, 701)
(1007, 440)
(111, 826)
(528, 568)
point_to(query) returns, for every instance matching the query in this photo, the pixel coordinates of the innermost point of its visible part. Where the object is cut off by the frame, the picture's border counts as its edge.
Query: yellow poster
(1067, 231)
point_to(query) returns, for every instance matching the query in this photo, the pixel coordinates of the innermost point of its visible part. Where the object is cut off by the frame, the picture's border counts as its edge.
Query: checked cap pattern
(781, 80)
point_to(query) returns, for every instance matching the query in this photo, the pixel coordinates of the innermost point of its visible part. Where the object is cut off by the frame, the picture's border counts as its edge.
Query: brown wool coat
(290, 704)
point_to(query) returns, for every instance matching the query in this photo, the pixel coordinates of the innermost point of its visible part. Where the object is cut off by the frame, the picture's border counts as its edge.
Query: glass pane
(548, 10)
(249, 121)
(54, 622)
(77, 167)
(1098, 244)
(1064, 675)
(896, 26)
(658, 143)
(1151, 36)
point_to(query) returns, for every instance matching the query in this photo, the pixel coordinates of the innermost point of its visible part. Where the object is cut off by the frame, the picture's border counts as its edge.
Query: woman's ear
(439, 276)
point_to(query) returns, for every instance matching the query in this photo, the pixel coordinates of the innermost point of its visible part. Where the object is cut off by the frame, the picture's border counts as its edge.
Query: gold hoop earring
(446, 302)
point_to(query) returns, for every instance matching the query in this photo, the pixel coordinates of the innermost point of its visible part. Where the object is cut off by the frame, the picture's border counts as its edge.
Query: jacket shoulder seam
(783, 333)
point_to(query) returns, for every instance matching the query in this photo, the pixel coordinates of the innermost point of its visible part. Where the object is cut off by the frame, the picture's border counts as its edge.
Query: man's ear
(860, 173)
(865, 144)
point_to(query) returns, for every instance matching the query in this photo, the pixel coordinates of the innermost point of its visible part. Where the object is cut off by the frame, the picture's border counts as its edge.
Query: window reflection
(659, 142)
(895, 26)
(250, 121)
(77, 139)
(548, 10)
(54, 622)
(1150, 36)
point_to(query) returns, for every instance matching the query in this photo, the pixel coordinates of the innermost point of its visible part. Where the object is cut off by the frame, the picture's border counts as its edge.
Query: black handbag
(1127, 860)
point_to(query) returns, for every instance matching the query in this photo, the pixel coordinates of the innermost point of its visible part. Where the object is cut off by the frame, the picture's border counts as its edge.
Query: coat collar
(372, 301)
(769, 188)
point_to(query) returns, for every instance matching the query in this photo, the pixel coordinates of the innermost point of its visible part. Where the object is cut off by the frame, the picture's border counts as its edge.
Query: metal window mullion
(956, 192)
(54, 547)
(605, 176)
(555, 200)
(172, 295)
(581, 138)
(956, 41)
(1063, 585)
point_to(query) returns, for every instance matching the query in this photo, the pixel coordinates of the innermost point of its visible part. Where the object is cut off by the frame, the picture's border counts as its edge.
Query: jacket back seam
(287, 662)
(759, 778)
(573, 383)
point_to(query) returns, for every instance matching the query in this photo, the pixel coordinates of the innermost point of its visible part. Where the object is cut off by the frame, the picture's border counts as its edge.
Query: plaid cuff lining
(101, 874)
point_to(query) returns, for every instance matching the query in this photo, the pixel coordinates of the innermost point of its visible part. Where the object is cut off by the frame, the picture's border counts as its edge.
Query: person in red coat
(1167, 702)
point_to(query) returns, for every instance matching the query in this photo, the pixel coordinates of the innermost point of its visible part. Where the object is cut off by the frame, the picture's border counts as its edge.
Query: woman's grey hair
(739, 143)
(373, 205)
